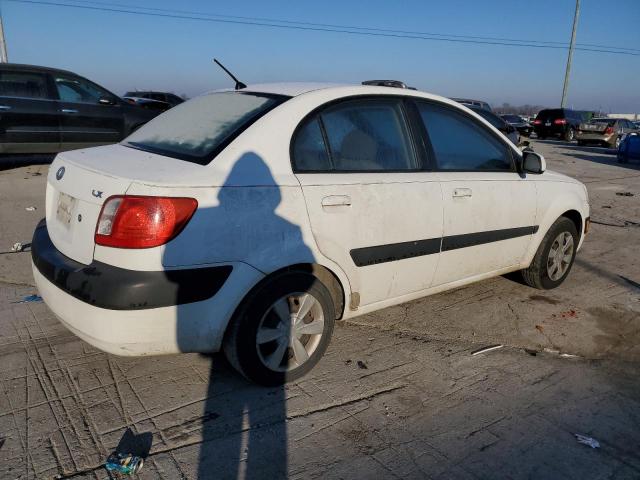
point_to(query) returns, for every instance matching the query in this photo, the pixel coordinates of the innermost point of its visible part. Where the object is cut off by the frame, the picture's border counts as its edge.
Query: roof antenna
(239, 84)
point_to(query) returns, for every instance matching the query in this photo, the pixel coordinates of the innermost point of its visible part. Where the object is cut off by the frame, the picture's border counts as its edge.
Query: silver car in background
(605, 131)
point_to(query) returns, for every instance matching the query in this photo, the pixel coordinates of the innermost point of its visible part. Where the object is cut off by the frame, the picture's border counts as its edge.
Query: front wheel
(554, 258)
(616, 144)
(282, 329)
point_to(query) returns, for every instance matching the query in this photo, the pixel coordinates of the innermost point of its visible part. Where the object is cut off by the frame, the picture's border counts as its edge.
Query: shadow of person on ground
(244, 433)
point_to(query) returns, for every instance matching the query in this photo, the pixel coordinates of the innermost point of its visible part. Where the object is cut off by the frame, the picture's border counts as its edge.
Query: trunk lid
(88, 177)
(75, 195)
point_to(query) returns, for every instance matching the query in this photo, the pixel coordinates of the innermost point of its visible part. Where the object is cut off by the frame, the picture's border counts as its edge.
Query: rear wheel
(282, 329)
(554, 258)
(569, 134)
(582, 143)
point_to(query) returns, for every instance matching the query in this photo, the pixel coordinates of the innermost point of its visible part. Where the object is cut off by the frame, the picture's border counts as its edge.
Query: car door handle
(69, 110)
(5, 107)
(461, 192)
(336, 201)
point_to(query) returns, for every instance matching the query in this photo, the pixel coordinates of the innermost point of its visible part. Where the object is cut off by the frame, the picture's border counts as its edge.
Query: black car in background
(519, 123)
(509, 131)
(558, 122)
(470, 102)
(46, 110)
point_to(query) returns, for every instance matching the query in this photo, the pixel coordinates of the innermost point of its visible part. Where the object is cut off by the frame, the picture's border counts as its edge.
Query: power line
(350, 27)
(308, 27)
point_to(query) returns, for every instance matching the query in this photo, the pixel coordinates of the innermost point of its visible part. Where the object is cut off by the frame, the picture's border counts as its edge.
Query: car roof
(34, 68)
(289, 89)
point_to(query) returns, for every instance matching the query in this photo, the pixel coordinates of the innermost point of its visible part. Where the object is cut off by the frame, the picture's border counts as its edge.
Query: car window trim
(480, 125)
(317, 111)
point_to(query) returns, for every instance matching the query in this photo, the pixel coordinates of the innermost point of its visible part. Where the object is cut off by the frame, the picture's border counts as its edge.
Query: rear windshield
(197, 130)
(606, 121)
(490, 117)
(552, 114)
(512, 118)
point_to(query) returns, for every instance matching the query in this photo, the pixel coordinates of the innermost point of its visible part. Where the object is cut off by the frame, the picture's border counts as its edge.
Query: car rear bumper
(106, 308)
(594, 137)
(115, 288)
(551, 131)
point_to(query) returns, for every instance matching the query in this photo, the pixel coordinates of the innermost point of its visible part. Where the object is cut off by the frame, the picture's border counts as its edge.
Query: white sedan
(251, 220)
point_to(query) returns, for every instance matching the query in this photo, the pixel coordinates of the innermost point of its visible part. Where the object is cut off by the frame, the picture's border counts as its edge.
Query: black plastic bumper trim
(115, 288)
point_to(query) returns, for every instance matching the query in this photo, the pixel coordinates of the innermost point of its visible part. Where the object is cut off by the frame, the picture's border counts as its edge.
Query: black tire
(537, 275)
(569, 135)
(582, 143)
(240, 341)
(541, 137)
(616, 143)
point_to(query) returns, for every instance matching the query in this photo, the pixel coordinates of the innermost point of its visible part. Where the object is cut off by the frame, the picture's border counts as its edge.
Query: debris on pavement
(486, 349)
(362, 365)
(551, 350)
(531, 351)
(569, 355)
(31, 209)
(591, 442)
(124, 463)
(624, 194)
(30, 299)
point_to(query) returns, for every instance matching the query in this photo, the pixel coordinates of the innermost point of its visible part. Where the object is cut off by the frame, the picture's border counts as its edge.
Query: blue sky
(122, 51)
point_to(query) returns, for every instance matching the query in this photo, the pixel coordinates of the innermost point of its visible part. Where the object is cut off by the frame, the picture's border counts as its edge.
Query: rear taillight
(559, 121)
(128, 221)
(537, 122)
(608, 130)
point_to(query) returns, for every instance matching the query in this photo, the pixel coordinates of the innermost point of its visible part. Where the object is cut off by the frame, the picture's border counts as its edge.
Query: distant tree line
(527, 110)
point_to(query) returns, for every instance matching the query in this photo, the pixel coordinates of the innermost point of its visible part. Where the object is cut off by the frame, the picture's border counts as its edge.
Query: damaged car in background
(250, 221)
(605, 131)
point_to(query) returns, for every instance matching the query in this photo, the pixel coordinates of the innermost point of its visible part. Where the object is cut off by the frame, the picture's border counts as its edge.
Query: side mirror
(106, 101)
(533, 162)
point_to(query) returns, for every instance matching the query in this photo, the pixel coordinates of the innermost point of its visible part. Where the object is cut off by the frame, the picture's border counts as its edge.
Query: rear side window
(195, 131)
(461, 144)
(362, 135)
(309, 149)
(23, 84)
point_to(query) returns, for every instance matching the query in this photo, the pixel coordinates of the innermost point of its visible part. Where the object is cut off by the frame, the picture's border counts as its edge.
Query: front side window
(196, 130)
(79, 90)
(23, 84)
(459, 143)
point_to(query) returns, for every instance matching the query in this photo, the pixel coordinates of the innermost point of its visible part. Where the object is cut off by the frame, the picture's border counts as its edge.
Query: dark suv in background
(45, 110)
(558, 122)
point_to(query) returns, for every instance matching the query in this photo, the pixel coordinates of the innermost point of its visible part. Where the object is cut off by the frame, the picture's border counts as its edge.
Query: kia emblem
(60, 173)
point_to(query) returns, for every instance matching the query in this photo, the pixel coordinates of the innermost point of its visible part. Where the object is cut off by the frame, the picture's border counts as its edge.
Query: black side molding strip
(454, 242)
(398, 251)
(115, 288)
(394, 251)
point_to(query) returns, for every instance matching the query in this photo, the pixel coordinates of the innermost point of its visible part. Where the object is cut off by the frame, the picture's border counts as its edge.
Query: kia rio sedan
(250, 221)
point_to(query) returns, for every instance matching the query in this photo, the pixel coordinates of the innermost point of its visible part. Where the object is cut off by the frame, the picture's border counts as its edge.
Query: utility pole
(3, 43)
(565, 88)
